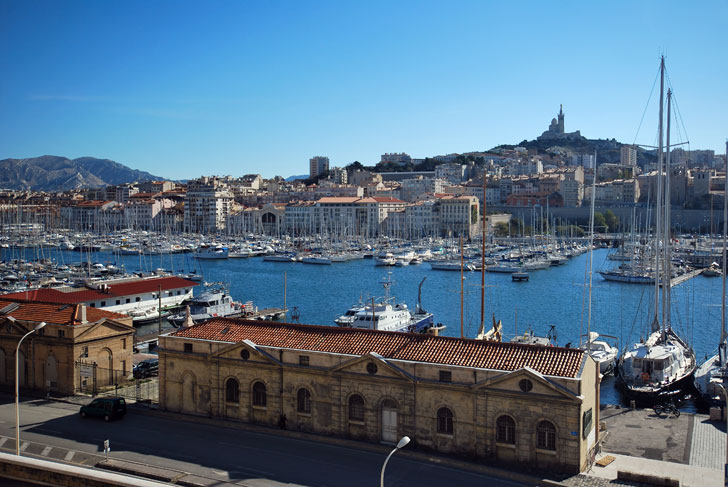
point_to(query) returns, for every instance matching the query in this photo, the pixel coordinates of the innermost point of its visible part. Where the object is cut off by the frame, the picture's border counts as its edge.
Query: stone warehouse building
(79, 348)
(505, 402)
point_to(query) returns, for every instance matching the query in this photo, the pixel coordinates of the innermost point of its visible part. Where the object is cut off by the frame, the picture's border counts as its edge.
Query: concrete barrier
(45, 472)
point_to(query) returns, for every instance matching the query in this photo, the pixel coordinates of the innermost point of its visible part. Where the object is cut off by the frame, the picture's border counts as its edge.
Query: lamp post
(725, 413)
(17, 405)
(402, 443)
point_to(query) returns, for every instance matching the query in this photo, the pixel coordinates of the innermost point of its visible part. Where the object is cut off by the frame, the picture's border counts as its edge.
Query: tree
(611, 220)
(501, 229)
(600, 223)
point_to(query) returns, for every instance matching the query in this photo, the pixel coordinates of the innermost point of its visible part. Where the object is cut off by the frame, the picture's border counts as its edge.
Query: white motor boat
(601, 351)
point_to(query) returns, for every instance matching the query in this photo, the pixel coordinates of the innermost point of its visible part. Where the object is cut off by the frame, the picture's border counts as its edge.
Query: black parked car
(146, 368)
(105, 407)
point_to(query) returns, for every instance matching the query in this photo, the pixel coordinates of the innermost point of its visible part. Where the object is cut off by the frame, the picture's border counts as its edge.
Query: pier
(684, 277)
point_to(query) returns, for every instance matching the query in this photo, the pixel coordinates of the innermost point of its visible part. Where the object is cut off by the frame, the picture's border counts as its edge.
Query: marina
(552, 296)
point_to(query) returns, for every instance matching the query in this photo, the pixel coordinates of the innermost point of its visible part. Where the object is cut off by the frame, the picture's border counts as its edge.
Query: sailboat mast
(482, 253)
(668, 256)
(658, 201)
(462, 287)
(725, 239)
(591, 253)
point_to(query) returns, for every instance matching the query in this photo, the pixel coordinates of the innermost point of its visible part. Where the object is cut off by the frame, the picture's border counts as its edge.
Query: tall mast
(462, 287)
(591, 252)
(482, 253)
(658, 202)
(725, 239)
(668, 264)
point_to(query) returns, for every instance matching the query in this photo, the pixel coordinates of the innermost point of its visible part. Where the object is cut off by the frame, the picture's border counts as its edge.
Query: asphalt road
(224, 453)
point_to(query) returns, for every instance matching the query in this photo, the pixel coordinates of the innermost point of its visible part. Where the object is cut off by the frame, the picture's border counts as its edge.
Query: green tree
(501, 229)
(600, 223)
(611, 220)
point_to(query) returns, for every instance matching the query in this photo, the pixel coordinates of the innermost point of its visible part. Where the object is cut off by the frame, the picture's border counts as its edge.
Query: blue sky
(182, 89)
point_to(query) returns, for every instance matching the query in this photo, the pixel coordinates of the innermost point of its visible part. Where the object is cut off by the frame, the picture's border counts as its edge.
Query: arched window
(231, 390)
(304, 401)
(505, 430)
(356, 408)
(546, 435)
(444, 421)
(259, 395)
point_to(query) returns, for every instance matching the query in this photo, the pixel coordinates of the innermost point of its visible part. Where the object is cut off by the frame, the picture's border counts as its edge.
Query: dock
(684, 277)
(267, 314)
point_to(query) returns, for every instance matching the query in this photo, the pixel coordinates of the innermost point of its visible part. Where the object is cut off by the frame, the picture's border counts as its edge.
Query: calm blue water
(552, 296)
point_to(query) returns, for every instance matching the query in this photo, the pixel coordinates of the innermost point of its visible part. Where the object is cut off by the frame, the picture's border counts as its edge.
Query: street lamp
(17, 406)
(402, 443)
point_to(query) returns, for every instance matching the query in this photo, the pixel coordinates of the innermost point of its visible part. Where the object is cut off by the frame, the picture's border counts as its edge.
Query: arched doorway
(389, 421)
(22, 369)
(3, 371)
(269, 222)
(51, 372)
(187, 399)
(105, 369)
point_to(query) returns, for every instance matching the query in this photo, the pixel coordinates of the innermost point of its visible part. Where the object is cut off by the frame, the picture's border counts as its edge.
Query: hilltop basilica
(556, 129)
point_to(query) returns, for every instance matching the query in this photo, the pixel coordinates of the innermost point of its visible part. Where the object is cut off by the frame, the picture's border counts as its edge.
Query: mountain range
(55, 173)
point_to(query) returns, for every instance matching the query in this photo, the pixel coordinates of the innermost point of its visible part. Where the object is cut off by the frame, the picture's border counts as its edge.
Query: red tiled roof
(54, 313)
(85, 295)
(555, 361)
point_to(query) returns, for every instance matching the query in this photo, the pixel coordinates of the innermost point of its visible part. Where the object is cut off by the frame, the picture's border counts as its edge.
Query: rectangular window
(445, 376)
(188, 347)
(85, 351)
(118, 301)
(123, 343)
(61, 333)
(123, 367)
(303, 360)
(103, 303)
(137, 299)
(93, 305)
(128, 300)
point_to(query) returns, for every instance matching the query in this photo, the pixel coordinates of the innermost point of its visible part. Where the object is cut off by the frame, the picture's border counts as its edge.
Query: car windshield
(122, 402)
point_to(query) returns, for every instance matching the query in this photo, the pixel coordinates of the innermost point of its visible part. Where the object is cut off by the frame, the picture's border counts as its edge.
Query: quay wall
(684, 220)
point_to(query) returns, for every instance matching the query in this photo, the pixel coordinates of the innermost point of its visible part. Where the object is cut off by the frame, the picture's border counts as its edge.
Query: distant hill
(608, 150)
(55, 173)
(293, 178)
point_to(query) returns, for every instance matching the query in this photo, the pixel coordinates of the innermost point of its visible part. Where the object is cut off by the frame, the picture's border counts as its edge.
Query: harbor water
(554, 296)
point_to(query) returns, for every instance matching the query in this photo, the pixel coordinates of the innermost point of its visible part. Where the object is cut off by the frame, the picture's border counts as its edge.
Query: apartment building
(208, 204)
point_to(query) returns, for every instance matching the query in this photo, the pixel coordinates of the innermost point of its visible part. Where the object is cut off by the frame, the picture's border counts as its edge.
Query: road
(55, 430)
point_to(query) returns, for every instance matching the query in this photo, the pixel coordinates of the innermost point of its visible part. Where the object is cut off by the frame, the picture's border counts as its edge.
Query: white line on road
(69, 455)
(46, 451)
(25, 445)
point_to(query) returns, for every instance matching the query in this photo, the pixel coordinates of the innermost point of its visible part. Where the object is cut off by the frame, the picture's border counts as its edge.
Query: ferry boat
(208, 305)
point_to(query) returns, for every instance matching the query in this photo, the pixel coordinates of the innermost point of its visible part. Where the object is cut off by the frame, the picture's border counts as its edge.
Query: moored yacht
(211, 304)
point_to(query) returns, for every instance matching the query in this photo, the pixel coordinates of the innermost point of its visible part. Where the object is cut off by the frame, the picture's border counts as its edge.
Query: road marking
(46, 451)
(25, 445)
(3, 440)
(69, 455)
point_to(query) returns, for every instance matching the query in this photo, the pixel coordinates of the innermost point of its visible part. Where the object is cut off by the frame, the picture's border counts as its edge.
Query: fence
(99, 381)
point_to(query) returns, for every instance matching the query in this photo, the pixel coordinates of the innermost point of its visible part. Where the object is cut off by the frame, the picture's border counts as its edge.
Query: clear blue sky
(182, 89)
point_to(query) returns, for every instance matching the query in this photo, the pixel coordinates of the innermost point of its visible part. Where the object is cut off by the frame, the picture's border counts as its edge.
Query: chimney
(82, 313)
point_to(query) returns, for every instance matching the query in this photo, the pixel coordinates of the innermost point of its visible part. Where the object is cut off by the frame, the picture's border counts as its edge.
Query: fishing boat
(662, 364)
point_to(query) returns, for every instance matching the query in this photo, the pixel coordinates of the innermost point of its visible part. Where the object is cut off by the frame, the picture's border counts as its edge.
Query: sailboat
(600, 350)
(712, 375)
(662, 364)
